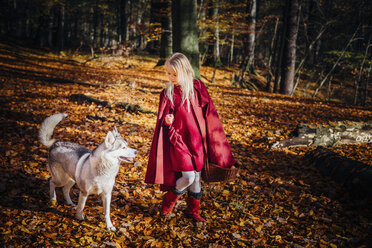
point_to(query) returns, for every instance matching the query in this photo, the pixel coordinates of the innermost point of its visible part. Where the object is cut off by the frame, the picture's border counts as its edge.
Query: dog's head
(117, 147)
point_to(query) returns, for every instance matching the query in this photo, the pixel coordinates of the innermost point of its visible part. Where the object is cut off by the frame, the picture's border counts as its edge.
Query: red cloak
(167, 144)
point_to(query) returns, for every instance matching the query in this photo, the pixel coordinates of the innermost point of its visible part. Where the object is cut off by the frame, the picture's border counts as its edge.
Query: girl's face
(172, 74)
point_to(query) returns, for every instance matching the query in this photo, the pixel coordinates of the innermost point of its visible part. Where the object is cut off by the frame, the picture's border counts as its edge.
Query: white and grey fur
(94, 171)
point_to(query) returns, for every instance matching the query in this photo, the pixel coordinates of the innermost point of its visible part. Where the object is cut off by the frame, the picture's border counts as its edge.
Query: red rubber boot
(193, 207)
(169, 200)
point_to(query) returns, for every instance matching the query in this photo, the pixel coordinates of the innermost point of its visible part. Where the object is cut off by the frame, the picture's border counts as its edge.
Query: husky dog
(94, 171)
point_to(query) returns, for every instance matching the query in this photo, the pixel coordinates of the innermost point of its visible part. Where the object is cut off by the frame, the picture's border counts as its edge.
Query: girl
(188, 131)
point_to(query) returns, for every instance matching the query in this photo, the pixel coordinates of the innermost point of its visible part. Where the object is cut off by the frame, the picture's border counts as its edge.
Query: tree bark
(231, 54)
(50, 26)
(61, 26)
(289, 58)
(214, 42)
(216, 48)
(328, 135)
(185, 31)
(96, 23)
(279, 47)
(272, 52)
(353, 175)
(251, 35)
(249, 41)
(166, 47)
(123, 20)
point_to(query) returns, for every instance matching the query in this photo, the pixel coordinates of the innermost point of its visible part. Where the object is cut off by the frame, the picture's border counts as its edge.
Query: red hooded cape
(159, 168)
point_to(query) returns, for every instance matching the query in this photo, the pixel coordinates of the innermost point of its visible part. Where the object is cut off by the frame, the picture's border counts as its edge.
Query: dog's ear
(109, 140)
(115, 132)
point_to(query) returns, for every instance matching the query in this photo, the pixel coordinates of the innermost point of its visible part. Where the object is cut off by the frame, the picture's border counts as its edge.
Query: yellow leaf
(147, 232)
(323, 242)
(258, 229)
(6, 232)
(225, 192)
(33, 164)
(147, 237)
(25, 230)
(58, 242)
(53, 203)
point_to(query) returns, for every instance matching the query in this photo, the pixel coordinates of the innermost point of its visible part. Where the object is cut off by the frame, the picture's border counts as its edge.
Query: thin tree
(61, 27)
(166, 32)
(249, 41)
(252, 35)
(336, 63)
(289, 52)
(123, 20)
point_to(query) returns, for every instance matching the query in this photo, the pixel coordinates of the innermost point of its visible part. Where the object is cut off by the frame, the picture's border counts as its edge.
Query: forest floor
(277, 200)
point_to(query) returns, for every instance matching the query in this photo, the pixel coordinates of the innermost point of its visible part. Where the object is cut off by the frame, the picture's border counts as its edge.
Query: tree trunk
(328, 135)
(353, 175)
(185, 31)
(214, 42)
(61, 24)
(216, 48)
(279, 46)
(231, 55)
(251, 35)
(50, 26)
(96, 24)
(123, 20)
(289, 52)
(310, 29)
(272, 52)
(166, 33)
(203, 39)
(248, 41)
(14, 18)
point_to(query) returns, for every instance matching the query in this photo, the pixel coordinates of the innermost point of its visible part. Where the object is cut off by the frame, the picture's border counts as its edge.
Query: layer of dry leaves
(277, 200)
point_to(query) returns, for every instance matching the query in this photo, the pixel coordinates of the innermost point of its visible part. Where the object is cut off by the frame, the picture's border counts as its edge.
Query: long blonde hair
(185, 75)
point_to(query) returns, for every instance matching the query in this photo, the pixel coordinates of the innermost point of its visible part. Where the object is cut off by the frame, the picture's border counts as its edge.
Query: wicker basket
(214, 173)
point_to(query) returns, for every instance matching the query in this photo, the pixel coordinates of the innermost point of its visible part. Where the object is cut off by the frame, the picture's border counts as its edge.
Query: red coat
(179, 147)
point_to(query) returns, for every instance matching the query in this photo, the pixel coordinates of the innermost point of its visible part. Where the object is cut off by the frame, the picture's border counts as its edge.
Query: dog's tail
(47, 128)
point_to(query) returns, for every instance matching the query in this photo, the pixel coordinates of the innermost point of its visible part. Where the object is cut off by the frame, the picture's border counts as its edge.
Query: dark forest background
(322, 48)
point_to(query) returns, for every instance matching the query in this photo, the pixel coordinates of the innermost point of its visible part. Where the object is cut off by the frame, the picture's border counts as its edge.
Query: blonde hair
(185, 75)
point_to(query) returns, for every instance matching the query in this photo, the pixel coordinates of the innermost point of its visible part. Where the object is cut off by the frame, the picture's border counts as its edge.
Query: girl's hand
(169, 119)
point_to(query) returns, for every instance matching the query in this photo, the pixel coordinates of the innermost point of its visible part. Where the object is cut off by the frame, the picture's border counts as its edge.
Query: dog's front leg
(79, 210)
(106, 199)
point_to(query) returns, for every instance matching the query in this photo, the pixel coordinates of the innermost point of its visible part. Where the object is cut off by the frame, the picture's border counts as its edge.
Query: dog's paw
(79, 216)
(71, 204)
(53, 203)
(111, 229)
